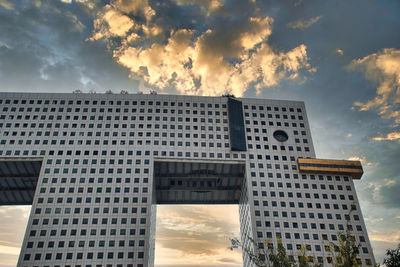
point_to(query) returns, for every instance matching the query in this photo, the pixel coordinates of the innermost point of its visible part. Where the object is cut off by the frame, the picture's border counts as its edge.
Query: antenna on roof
(229, 95)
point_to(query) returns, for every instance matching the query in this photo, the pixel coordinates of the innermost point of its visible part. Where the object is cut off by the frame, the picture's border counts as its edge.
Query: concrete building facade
(94, 167)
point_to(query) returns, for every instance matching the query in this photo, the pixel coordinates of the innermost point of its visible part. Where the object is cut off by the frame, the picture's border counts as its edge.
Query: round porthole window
(281, 136)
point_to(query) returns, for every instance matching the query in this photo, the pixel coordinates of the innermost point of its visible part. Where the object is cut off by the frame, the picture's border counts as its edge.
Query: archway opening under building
(198, 182)
(197, 235)
(18, 180)
(197, 211)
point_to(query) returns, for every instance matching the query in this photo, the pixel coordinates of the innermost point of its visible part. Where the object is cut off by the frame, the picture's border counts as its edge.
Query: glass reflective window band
(236, 125)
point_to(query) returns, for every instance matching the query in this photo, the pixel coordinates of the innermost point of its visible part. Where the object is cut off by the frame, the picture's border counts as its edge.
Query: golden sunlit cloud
(383, 69)
(392, 237)
(303, 24)
(12, 229)
(390, 137)
(78, 25)
(363, 160)
(197, 235)
(356, 158)
(6, 4)
(112, 23)
(212, 62)
(10, 250)
(339, 51)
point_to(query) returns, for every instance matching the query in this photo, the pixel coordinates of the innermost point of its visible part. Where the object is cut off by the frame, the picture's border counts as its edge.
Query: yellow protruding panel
(352, 168)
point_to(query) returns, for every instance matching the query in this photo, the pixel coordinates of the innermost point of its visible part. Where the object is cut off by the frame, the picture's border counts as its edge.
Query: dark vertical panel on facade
(236, 125)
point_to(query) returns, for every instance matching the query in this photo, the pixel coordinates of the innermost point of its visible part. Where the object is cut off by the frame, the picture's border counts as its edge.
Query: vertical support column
(246, 223)
(151, 224)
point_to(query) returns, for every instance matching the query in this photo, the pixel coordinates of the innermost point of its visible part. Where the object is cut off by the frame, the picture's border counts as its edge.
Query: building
(94, 167)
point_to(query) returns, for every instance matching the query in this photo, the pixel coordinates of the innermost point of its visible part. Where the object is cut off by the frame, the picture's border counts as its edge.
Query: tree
(305, 260)
(345, 254)
(264, 254)
(279, 258)
(393, 257)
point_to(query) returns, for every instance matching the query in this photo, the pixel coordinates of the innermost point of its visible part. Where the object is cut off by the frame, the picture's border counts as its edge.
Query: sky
(341, 57)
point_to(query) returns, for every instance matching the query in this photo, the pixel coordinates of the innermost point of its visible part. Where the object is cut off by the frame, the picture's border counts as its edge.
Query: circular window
(281, 136)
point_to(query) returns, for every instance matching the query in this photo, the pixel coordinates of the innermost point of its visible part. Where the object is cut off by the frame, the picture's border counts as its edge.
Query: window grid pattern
(94, 204)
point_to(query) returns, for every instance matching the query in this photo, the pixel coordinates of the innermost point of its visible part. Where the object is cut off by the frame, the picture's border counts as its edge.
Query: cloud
(207, 6)
(383, 69)
(10, 250)
(12, 230)
(226, 57)
(136, 8)
(196, 235)
(390, 191)
(42, 46)
(392, 237)
(390, 136)
(112, 23)
(339, 51)
(303, 24)
(117, 19)
(363, 160)
(6, 4)
(385, 192)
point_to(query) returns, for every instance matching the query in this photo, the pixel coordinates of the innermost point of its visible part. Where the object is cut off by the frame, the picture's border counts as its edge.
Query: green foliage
(270, 257)
(265, 255)
(393, 257)
(346, 251)
(306, 261)
(279, 257)
(344, 254)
